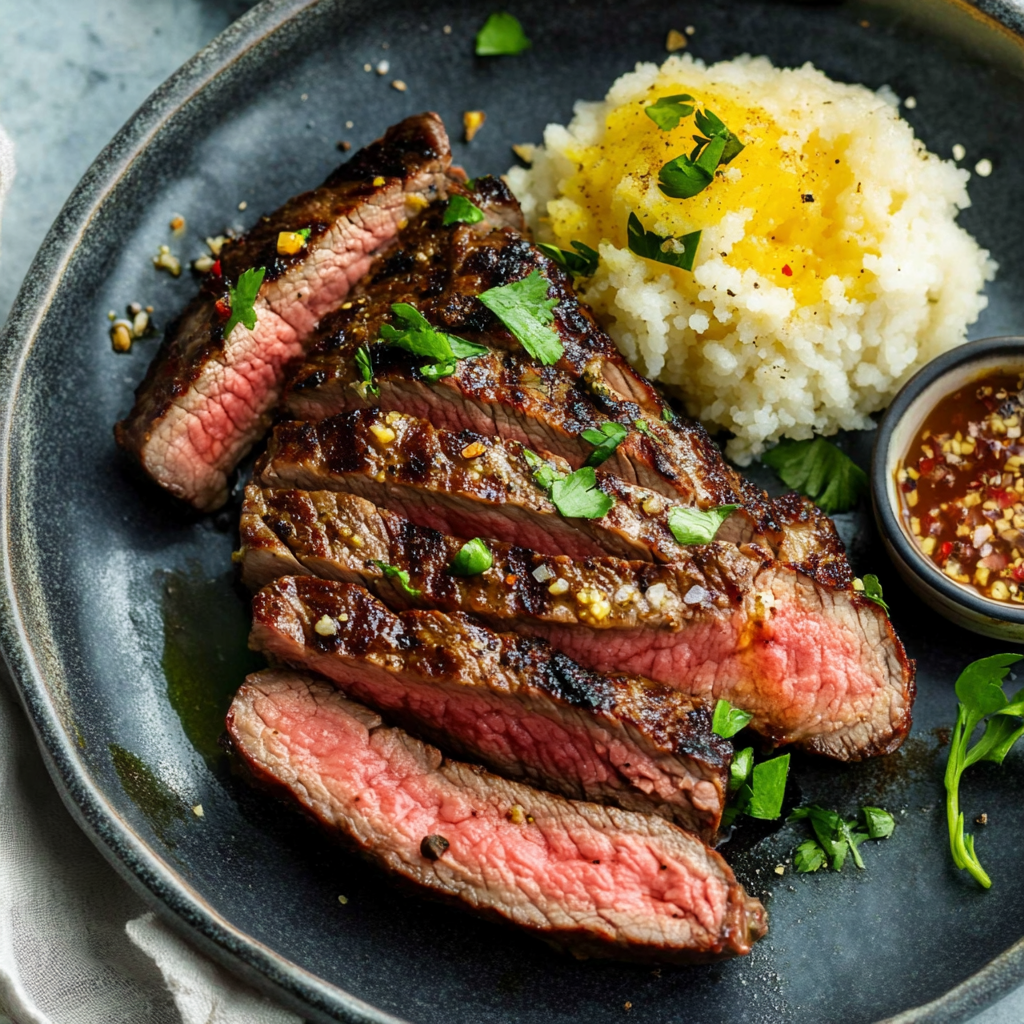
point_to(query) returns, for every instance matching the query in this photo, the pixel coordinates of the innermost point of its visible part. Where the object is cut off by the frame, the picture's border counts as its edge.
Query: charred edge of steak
(682, 765)
(279, 763)
(810, 542)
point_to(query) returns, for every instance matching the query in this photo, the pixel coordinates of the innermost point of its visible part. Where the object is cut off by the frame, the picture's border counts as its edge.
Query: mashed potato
(830, 266)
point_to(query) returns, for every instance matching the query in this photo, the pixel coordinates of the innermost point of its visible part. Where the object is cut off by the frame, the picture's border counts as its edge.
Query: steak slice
(595, 880)
(819, 668)
(206, 398)
(505, 701)
(461, 483)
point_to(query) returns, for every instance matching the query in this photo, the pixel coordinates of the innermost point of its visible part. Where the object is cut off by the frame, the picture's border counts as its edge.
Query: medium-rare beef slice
(441, 269)
(596, 880)
(818, 668)
(460, 482)
(206, 398)
(506, 701)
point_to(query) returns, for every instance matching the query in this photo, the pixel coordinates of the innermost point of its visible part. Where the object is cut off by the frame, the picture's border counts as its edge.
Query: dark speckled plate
(124, 630)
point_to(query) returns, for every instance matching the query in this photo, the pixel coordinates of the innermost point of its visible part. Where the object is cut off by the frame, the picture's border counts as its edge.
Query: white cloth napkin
(66, 918)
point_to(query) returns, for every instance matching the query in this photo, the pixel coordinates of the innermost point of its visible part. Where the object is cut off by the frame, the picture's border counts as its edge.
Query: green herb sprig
(675, 252)
(607, 438)
(819, 470)
(364, 366)
(980, 692)
(525, 309)
(698, 525)
(687, 176)
(574, 495)
(416, 335)
(727, 720)
(501, 36)
(393, 572)
(873, 591)
(759, 788)
(474, 557)
(461, 211)
(243, 299)
(667, 111)
(837, 837)
(581, 263)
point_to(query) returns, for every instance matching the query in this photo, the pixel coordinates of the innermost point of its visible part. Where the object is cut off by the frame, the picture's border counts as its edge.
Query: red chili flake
(1018, 573)
(510, 580)
(908, 485)
(946, 550)
(787, 270)
(215, 269)
(925, 466)
(1005, 498)
(223, 308)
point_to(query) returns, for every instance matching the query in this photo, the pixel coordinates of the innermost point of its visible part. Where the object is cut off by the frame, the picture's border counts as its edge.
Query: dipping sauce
(961, 486)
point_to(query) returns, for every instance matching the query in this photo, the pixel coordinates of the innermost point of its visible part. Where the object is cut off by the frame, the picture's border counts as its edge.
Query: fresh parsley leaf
(364, 365)
(684, 178)
(880, 824)
(303, 233)
(667, 415)
(727, 720)
(578, 496)
(667, 111)
(697, 525)
(544, 474)
(740, 768)
(607, 439)
(873, 591)
(581, 263)
(687, 176)
(809, 856)
(415, 334)
(768, 786)
(838, 837)
(393, 572)
(501, 35)
(243, 299)
(819, 470)
(461, 211)
(676, 252)
(980, 692)
(525, 309)
(645, 429)
(473, 558)
(713, 127)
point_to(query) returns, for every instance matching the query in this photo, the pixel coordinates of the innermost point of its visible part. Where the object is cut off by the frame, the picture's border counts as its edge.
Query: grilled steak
(819, 668)
(593, 879)
(206, 397)
(461, 483)
(506, 701)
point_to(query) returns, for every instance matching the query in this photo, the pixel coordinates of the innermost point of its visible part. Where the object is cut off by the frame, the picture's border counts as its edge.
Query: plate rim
(136, 861)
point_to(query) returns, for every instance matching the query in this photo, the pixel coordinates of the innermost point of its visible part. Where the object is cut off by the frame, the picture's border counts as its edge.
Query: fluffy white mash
(830, 265)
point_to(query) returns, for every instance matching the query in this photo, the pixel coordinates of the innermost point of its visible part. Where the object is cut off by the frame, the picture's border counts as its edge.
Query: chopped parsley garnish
(581, 263)
(980, 692)
(364, 364)
(668, 111)
(473, 558)
(303, 233)
(461, 211)
(416, 335)
(727, 720)
(740, 768)
(819, 470)
(525, 309)
(607, 438)
(575, 495)
(686, 176)
(393, 572)
(501, 35)
(760, 792)
(243, 299)
(644, 427)
(873, 591)
(667, 415)
(698, 525)
(676, 252)
(837, 837)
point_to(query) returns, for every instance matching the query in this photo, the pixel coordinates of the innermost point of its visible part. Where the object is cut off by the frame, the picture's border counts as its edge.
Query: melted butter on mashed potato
(830, 265)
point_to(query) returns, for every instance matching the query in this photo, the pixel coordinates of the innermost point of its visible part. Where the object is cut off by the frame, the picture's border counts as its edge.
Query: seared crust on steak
(596, 880)
(506, 701)
(819, 668)
(207, 398)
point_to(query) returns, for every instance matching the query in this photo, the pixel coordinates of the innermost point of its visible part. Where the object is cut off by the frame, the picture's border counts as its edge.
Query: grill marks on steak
(207, 398)
(461, 483)
(592, 879)
(819, 668)
(506, 701)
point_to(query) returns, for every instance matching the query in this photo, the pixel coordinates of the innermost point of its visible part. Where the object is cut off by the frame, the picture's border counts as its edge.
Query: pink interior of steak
(536, 858)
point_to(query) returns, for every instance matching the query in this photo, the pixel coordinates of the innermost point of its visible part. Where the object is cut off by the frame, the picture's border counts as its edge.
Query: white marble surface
(71, 73)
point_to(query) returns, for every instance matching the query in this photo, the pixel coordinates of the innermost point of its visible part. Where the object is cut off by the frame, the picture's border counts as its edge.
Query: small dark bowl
(960, 603)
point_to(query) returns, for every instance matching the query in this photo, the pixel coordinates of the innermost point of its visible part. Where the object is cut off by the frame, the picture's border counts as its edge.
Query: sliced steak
(506, 701)
(461, 483)
(592, 879)
(206, 397)
(819, 668)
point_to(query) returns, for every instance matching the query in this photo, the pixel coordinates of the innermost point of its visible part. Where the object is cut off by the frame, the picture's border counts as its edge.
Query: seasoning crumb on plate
(166, 260)
(675, 41)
